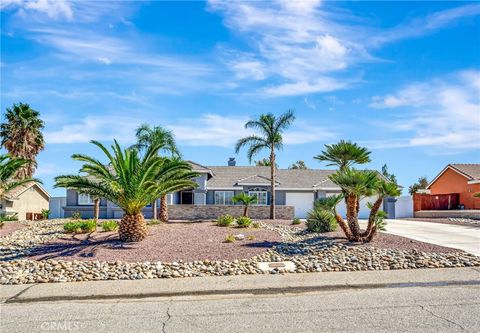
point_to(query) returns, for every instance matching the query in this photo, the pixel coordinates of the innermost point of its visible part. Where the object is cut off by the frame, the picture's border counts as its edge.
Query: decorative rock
(240, 237)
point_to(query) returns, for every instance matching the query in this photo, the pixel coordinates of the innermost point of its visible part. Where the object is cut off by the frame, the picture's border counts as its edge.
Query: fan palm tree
(8, 170)
(157, 135)
(21, 135)
(246, 200)
(130, 180)
(270, 129)
(344, 154)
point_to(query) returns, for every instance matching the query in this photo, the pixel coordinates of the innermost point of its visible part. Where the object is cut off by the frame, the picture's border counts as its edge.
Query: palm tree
(157, 135)
(270, 130)
(22, 136)
(130, 180)
(246, 200)
(8, 169)
(344, 154)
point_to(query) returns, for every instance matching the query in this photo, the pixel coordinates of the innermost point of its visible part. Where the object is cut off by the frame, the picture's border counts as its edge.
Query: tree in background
(157, 135)
(298, 165)
(388, 175)
(264, 162)
(421, 184)
(22, 137)
(270, 129)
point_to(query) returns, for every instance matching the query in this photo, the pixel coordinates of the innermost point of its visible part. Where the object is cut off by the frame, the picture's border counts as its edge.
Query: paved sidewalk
(455, 236)
(246, 284)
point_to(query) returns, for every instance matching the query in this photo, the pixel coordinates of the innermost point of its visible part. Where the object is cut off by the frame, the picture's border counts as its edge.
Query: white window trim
(257, 193)
(223, 196)
(88, 202)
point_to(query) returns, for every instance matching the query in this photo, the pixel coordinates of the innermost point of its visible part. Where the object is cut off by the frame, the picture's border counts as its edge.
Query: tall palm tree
(270, 130)
(157, 135)
(130, 180)
(22, 137)
(8, 169)
(344, 154)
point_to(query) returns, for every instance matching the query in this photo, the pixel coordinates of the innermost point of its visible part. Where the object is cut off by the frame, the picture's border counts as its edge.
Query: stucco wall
(452, 182)
(206, 212)
(30, 201)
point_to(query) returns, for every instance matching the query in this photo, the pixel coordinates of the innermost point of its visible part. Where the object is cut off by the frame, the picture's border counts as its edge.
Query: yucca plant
(9, 168)
(129, 180)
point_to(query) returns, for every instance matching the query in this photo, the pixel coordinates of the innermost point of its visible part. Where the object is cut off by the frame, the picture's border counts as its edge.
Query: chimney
(231, 161)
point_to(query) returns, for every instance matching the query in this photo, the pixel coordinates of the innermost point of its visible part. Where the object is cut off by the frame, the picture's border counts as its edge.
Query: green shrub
(80, 227)
(296, 221)
(230, 238)
(243, 222)
(109, 225)
(256, 225)
(5, 217)
(76, 215)
(251, 237)
(45, 213)
(154, 222)
(321, 220)
(225, 220)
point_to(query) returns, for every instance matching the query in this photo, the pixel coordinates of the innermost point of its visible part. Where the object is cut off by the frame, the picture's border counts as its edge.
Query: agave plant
(9, 168)
(129, 180)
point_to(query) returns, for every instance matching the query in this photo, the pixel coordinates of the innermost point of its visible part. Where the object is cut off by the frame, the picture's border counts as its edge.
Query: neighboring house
(217, 185)
(452, 188)
(26, 201)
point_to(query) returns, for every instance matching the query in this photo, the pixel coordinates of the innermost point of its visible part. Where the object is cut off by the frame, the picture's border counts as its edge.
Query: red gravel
(187, 241)
(9, 227)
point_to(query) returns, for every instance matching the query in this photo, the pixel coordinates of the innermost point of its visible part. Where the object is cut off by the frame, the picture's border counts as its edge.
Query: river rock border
(308, 253)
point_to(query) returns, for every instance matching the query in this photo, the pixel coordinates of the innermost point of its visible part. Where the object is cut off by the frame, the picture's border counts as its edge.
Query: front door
(186, 198)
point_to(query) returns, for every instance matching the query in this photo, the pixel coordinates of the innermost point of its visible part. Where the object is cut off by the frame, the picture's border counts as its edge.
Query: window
(260, 194)
(84, 199)
(223, 197)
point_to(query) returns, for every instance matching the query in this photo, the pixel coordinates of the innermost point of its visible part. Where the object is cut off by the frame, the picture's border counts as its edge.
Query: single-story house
(25, 201)
(296, 190)
(453, 188)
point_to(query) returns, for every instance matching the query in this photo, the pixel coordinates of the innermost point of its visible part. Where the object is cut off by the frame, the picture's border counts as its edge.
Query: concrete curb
(244, 284)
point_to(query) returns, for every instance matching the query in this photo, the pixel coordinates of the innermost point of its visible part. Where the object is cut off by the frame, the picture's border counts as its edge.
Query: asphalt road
(405, 309)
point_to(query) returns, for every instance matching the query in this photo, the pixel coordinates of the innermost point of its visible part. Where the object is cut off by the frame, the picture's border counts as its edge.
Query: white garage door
(302, 202)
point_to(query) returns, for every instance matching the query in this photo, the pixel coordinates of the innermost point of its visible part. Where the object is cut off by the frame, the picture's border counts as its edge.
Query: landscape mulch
(9, 227)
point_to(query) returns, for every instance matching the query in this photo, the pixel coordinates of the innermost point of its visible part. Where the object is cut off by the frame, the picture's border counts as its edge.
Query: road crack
(164, 324)
(443, 318)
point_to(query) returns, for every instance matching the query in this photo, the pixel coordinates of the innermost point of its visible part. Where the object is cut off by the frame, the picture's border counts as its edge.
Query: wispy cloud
(443, 113)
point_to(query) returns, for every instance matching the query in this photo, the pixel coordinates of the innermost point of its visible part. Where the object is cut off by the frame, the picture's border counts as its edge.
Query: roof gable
(16, 192)
(469, 171)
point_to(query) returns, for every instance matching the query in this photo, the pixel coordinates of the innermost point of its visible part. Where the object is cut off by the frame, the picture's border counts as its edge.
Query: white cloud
(224, 131)
(298, 88)
(53, 8)
(442, 113)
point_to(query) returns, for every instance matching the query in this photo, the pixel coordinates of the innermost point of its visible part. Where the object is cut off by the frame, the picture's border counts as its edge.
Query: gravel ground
(9, 227)
(166, 242)
(455, 221)
(308, 252)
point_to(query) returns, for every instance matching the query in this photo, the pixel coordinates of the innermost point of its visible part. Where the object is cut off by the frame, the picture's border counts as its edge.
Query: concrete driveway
(460, 237)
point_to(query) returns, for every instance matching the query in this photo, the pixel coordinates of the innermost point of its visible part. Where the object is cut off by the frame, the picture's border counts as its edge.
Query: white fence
(404, 207)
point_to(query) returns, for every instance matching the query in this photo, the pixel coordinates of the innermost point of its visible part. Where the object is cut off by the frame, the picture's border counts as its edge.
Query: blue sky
(402, 78)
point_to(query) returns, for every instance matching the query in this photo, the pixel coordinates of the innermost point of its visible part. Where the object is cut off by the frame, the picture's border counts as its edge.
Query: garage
(302, 202)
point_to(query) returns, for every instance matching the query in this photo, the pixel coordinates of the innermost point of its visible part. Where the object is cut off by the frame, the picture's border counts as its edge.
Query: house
(452, 188)
(295, 192)
(25, 201)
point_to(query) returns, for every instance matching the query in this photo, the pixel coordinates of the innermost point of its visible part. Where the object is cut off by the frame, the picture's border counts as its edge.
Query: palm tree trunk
(344, 226)
(133, 228)
(272, 183)
(163, 209)
(371, 217)
(96, 209)
(154, 209)
(352, 217)
(245, 210)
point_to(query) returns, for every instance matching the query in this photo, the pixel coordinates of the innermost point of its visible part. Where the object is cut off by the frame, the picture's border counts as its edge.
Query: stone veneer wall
(208, 212)
(466, 213)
